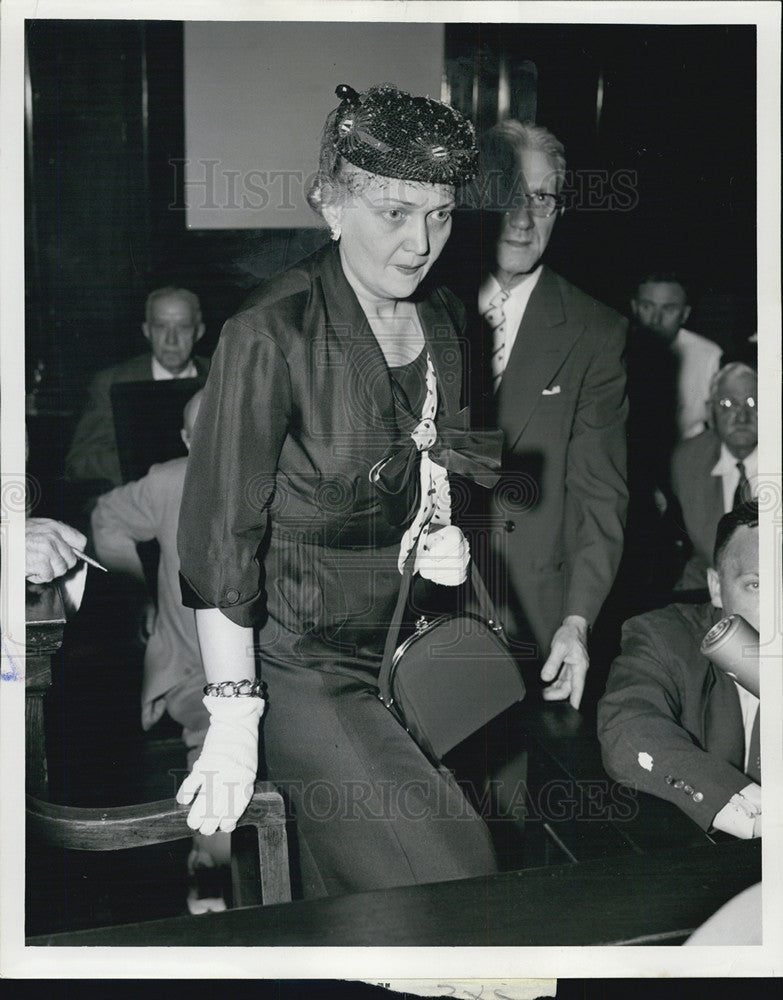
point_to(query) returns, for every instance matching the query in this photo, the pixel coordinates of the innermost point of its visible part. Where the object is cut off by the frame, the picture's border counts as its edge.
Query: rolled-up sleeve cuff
(248, 612)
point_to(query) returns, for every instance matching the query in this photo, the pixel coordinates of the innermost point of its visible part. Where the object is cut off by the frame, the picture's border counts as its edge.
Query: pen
(89, 560)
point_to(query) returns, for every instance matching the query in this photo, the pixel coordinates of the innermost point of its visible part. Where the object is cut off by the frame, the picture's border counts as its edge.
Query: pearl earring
(336, 232)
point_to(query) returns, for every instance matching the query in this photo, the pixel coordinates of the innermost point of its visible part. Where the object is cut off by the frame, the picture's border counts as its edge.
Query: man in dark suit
(554, 383)
(673, 725)
(716, 470)
(172, 326)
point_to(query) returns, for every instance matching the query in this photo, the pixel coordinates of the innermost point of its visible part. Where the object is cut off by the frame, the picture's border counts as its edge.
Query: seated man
(671, 723)
(52, 549)
(717, 470)
(173, 673)
(172, 326)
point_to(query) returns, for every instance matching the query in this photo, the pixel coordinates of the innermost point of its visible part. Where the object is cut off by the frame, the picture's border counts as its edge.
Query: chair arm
(121, 827)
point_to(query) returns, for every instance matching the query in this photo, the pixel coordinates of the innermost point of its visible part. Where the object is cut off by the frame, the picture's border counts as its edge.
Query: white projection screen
(256, 96)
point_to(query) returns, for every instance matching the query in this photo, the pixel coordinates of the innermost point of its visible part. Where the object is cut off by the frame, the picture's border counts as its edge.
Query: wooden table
(654, 899)
(608, 818)
(568, 809)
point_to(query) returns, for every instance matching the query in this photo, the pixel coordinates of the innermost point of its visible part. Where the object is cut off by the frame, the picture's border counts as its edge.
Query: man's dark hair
(662, 278)
(746, 514)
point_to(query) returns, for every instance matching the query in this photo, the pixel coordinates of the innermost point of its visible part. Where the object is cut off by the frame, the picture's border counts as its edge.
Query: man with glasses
(717, 471)
(554, 383)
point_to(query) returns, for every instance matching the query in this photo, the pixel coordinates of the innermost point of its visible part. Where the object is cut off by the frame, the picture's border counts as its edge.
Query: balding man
(139, 512)
(173, 673)
(717, 470)
(172, 326)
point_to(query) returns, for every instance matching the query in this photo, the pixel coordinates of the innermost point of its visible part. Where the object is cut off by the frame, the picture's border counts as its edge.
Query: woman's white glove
(443, 556)
(222, 778)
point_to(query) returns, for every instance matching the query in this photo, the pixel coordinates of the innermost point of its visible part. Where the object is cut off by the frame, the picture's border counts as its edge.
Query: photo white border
(16, 959)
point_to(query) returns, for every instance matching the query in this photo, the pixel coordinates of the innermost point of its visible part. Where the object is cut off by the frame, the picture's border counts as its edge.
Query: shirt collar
(727, 463)
(161, 374)
(492, 286)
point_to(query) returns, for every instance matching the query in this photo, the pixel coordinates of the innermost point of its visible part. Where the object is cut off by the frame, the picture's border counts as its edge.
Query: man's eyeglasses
(538, 203)
(729, 403)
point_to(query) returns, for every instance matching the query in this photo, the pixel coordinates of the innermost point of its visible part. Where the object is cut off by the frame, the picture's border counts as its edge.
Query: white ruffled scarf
(442, 551)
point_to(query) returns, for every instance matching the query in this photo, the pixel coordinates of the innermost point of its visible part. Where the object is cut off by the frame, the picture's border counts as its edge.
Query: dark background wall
(674, 143)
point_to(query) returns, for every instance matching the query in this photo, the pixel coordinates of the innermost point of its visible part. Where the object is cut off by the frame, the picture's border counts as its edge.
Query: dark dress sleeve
(242, 424)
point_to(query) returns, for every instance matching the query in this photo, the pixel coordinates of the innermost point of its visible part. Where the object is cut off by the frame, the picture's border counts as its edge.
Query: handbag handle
(486, 607)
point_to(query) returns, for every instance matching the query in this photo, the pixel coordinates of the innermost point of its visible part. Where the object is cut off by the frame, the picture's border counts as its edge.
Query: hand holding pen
(52, 548)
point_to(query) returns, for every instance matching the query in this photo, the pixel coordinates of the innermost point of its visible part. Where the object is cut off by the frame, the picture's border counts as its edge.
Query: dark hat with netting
(386, 131)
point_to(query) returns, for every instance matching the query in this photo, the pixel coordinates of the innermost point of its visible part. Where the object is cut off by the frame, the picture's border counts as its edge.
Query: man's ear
(713, 584)
(634, 307)
(185, 438)
(199, 332)
(686, 313)
(145, 329)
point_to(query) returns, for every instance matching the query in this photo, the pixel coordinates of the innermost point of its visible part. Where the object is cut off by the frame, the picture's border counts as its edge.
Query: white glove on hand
(222, 778)
(443, 556)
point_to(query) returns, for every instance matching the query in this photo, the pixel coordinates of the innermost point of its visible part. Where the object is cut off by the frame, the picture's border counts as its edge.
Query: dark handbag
(452, 676)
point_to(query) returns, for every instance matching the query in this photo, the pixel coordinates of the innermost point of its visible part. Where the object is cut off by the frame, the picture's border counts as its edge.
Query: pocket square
(551, 392)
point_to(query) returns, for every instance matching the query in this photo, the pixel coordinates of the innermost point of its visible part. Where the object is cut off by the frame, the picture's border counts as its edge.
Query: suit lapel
(544, 340)
(722, 726)
(707, 493)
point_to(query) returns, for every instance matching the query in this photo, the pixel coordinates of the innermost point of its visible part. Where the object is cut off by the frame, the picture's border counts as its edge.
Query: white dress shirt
(749, 704)
(160, 374)
(513, 308)
(698, 360)
(726, 468)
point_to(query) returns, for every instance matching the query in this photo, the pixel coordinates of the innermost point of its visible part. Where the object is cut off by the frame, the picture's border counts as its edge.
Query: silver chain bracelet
(235, 689)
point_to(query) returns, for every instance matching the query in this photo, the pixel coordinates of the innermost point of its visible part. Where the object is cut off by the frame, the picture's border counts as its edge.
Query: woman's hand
(222, 778)
(444, 556)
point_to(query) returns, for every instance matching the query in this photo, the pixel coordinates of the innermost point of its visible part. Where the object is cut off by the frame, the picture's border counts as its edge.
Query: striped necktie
(742, 492)
(496, 318)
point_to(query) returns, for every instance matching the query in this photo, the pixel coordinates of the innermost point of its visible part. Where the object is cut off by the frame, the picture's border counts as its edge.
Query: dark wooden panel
(633, 899)
(45, 622)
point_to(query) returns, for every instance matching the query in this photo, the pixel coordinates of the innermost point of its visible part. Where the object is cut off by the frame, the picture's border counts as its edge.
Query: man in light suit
(172, 326)
(718, 469)
(555, 385)
(672, 724)
(173, 673)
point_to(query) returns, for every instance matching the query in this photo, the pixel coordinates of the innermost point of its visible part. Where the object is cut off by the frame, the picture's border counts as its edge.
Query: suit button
(679, 783)
(669, 779)
(232, 596)
(698, 797)
(688, 790)
(509, 525)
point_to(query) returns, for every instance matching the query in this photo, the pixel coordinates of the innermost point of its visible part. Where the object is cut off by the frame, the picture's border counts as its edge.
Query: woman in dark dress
(340, 362)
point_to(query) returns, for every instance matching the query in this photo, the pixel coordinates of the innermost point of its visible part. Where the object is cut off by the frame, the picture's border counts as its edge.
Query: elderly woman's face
(392, 232)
